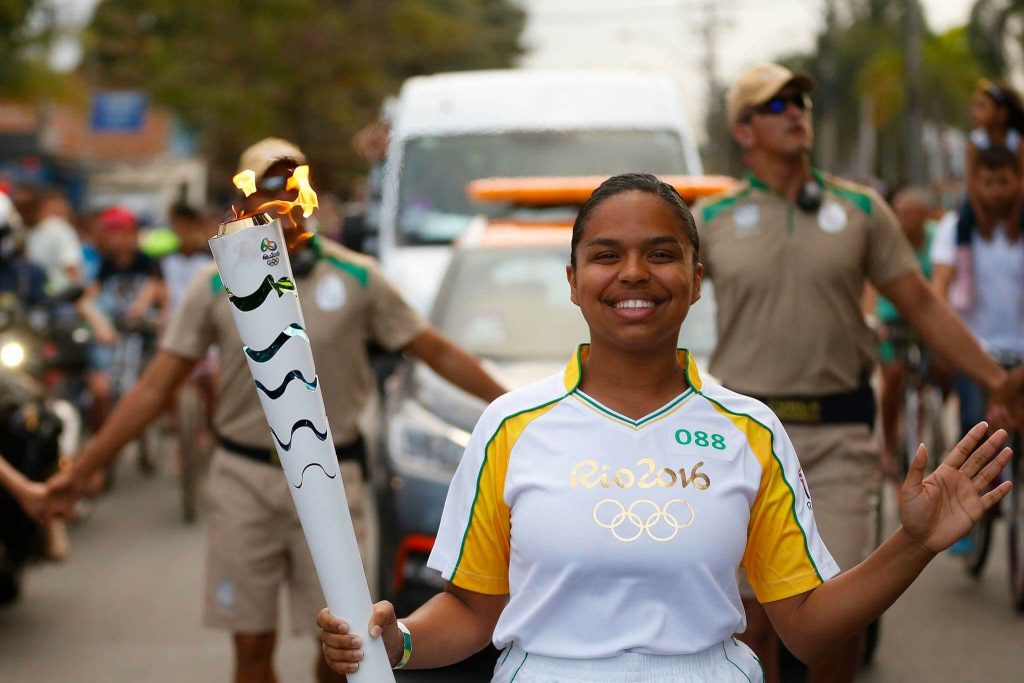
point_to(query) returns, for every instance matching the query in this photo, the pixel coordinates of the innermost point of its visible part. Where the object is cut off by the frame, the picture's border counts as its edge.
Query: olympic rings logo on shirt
(660, 523)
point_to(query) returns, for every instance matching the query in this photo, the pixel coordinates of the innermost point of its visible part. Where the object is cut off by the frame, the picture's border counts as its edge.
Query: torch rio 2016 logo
(270, 253)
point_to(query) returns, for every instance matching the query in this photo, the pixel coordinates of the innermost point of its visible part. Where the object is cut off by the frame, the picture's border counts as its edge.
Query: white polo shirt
(612, 535)
(995, 313)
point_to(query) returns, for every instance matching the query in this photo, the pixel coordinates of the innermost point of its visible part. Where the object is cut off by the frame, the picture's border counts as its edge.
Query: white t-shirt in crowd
(996, 314)
(53, 245)
(613, 535)
(178, 269)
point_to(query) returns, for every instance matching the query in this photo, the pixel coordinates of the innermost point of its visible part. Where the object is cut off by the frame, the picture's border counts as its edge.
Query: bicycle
(923, 399)
(1012, 508)
(135, 345)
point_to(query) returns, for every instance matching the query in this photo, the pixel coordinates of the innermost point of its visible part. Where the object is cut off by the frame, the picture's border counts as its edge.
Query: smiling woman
(631, 477)
(634, 274)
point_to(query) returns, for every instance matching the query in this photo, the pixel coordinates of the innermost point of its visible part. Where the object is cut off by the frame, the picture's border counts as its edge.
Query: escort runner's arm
(944, 332)
(454, 364)
(143, 403)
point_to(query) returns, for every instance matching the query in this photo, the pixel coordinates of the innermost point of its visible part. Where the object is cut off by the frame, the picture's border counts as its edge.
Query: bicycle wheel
(911, 425)
(1016, 527)
(980, 537)
(933, 434)
(147, 450)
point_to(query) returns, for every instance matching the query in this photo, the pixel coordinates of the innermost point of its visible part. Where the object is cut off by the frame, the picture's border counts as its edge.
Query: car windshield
(433, 206)
(513, 305)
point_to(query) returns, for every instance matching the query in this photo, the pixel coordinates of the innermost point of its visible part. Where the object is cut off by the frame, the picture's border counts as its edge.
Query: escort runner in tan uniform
(789, 251)
(255, 543)
(788, 283)
(345, 302)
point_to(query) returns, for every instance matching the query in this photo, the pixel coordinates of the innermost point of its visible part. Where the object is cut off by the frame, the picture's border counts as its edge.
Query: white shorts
(728, 662)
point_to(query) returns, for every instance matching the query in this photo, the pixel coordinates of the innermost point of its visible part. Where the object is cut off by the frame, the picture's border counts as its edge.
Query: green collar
(759, 184)
(314, 244)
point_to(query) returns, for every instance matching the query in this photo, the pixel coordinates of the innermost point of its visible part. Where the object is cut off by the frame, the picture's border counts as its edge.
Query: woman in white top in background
(596, 523)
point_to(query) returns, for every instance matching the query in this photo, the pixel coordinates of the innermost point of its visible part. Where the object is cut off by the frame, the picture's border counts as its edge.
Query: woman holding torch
(598, 519)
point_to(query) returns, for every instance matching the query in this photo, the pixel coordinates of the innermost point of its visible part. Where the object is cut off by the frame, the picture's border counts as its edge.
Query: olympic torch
(252, 257)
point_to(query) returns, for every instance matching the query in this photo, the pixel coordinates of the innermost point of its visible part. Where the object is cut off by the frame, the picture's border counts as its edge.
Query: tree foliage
(313, 71)
(996, 32)
(24, 38)
(869, 52)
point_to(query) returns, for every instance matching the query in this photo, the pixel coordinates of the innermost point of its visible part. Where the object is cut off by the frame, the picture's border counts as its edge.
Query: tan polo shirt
(788, 284)
(345, 301)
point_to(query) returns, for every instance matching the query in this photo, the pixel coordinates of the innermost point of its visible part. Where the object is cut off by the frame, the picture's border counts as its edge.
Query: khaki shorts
(844, 476)
(255, 545)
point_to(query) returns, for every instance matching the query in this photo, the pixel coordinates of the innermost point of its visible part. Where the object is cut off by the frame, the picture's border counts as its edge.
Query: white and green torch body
(253, 261)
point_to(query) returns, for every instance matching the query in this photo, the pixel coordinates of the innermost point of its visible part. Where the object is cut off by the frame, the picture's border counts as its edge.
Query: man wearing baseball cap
(789, 251)
(255, 544)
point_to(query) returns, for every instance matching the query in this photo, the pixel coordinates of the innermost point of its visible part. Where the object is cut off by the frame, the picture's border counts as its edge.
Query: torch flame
(306, 199)
(245, 181)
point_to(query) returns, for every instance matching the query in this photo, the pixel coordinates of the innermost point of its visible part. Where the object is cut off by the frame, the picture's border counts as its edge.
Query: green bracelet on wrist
(406, 646)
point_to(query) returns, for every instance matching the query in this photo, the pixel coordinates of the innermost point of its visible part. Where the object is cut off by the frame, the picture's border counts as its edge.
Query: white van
(449, 129)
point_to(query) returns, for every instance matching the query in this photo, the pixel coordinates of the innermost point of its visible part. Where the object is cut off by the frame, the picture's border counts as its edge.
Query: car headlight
(12, 354)
(423, 444)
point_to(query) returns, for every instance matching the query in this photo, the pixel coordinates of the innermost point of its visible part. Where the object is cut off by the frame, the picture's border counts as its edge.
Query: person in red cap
(128, 288)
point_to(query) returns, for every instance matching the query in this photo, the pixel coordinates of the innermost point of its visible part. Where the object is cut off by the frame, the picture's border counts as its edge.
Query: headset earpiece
(810, 196)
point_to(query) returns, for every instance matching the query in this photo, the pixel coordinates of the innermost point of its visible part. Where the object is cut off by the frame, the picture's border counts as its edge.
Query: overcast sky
(668, 34)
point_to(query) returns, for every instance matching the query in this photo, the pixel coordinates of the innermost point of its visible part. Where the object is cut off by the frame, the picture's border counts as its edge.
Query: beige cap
(758, 85)
(265, 153)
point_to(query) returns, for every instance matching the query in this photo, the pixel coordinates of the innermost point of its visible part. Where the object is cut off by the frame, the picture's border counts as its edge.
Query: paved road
(126, 609)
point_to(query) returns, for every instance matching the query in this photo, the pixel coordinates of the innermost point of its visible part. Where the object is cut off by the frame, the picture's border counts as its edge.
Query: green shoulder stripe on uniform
(712, 210)
(778, 461)
(361, 274)
(858, 199)
(216, 284)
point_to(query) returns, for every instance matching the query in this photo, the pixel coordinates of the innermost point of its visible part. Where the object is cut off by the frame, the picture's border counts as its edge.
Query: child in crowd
(998, 116)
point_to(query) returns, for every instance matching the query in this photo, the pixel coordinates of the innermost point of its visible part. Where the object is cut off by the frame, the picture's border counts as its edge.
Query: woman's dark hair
(635, 182)
(1006, 97)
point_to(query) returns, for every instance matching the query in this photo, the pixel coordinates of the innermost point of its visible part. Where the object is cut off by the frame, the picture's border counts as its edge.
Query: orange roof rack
(574, 190)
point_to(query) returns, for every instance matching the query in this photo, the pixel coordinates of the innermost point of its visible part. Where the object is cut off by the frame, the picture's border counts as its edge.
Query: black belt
(847, 407)
(355, 451)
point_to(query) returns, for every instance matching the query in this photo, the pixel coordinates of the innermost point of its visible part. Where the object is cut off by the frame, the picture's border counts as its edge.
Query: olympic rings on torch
(657, 522)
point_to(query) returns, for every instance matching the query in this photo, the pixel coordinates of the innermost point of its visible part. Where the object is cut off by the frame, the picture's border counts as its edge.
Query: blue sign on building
(118, 111)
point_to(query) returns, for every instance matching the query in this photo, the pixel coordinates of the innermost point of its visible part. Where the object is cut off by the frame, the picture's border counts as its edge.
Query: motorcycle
(31, 424)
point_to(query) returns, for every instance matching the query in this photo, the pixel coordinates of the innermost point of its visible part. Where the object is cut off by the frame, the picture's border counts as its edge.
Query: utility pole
(827, 144)
(717, 146)
(914, 122)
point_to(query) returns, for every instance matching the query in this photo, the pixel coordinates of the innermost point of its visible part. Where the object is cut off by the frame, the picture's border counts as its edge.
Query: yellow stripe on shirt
(777, 558)
(483, 560)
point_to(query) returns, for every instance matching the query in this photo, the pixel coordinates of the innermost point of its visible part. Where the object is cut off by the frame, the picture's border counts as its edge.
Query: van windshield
(433, 207)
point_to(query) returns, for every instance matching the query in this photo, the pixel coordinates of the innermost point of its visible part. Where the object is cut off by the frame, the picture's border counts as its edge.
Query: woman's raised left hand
(938, 510)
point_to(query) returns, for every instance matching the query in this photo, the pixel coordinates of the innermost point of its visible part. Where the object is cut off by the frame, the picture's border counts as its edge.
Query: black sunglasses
(779, 103)
(272, 184)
